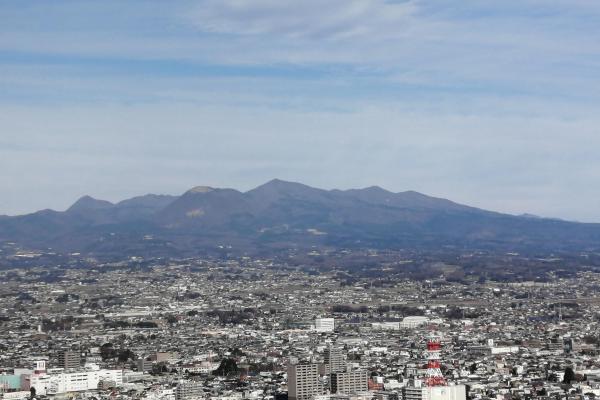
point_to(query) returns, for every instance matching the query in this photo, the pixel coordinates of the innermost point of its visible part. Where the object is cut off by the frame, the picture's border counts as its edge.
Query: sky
(494, 104)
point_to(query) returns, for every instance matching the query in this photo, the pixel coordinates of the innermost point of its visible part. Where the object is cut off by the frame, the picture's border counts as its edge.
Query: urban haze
(299, 200)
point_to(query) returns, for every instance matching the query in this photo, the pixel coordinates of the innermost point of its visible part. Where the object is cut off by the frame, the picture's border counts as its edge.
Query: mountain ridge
(281, 214)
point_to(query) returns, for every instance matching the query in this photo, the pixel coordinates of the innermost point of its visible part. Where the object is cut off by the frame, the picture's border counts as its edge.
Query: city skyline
(299, 200)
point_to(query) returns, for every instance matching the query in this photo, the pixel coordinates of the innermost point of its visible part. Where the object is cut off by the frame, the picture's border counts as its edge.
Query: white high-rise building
(416, 390)
(456, 392)
(324, 324)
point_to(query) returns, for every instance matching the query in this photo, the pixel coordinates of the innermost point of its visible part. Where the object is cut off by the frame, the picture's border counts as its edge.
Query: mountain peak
(375, 189)
(86, 203)
(281, 183)
(200, 189)
(277, 189)
(281, 187)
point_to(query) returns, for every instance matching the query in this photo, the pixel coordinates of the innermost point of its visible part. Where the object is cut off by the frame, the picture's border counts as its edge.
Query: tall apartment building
(69, 360)
(334, 360)
(304, 381)
(189, 390)
(349, 382)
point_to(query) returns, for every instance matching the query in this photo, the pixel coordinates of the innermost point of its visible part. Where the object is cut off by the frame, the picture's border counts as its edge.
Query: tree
(107, 351)
(227, 367)
(159, 369)
(569, 375)
(236, 352)
(125, 355)
(473, 368)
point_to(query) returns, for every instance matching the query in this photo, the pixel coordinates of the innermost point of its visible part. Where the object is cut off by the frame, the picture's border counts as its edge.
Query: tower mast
(434, 373)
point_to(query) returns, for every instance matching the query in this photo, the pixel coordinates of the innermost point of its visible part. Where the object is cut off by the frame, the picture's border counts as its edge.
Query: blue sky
(493, 104)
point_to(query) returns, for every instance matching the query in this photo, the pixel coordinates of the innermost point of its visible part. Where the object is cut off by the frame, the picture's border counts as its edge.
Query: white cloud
(485, 102)
(310, 19)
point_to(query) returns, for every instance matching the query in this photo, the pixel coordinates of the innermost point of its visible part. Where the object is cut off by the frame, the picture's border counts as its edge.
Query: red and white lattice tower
(434, 373)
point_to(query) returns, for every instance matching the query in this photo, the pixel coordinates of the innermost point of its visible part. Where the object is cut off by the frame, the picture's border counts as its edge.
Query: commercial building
(20, 395)
(189, 390)
(386, 326)
(416, 390)
(63, 382)
(457, 392)
(325, 324)
(144, 365)
(9, 383)
(412, 322)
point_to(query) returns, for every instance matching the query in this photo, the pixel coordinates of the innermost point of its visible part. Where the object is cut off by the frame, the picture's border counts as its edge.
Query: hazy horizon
(116, 200)
(488, 104)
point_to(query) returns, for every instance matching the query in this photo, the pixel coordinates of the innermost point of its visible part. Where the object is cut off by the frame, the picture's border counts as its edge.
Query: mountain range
(280, 215)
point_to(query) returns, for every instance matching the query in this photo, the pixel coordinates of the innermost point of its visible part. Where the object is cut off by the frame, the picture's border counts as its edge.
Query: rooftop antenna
(560, 311)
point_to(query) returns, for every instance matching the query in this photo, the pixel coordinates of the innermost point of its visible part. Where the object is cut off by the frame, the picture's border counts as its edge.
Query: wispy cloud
(311, 20)
(491, 103)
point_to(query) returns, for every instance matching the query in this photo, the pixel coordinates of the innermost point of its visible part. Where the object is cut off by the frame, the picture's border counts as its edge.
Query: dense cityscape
(299, 200)
(247, 328)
